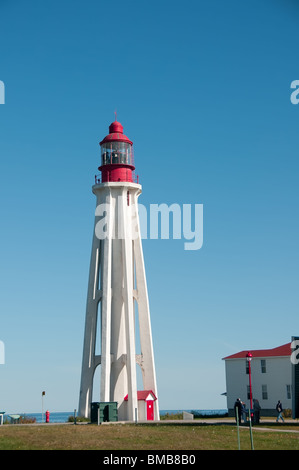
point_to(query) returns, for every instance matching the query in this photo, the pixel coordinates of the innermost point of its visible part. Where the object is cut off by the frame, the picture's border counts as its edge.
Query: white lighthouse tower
(117, 297)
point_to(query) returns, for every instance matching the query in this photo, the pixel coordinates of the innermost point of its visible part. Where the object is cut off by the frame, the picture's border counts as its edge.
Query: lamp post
(43, 394)
(249, 357)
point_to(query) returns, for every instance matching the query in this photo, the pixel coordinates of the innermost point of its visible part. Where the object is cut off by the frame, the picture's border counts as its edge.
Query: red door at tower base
(150, 410)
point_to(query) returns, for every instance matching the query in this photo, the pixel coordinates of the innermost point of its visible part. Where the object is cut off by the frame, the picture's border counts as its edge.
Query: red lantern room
(117, 155)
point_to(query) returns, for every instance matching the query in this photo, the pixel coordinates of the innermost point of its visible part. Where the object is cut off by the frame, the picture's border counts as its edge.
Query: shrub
(172, 416)
(197, 414)
(287, 413)
(27, 419)
(79, 419)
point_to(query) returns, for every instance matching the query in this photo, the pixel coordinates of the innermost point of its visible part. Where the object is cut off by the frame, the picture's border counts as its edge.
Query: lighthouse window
(116, 152)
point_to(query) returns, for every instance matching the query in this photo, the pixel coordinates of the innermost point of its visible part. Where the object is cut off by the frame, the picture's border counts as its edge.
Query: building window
(288, 392)
(264, 392)
(263, 366)
(248, 392)
(247, 367)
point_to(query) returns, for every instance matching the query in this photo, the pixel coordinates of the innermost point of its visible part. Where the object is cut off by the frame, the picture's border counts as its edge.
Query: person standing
(256, 411)
(244, 412)
(279, 410)
(238, 406)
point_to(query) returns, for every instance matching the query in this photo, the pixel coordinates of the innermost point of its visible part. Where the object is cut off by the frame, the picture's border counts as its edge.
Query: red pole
(250, 386)
(249, 356)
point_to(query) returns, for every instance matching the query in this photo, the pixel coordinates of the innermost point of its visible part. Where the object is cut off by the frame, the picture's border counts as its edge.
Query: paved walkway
(263, 426)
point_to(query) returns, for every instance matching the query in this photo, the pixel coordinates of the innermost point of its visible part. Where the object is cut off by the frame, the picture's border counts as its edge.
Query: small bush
(27, 419)
(79, 419)
(196, 414)
(287, 413)
(172, 416)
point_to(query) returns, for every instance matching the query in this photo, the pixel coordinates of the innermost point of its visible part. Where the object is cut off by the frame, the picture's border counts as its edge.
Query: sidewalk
(264, 422)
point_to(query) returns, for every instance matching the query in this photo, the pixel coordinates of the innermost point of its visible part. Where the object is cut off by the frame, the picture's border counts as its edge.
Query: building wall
(276, 378)
(141, 410)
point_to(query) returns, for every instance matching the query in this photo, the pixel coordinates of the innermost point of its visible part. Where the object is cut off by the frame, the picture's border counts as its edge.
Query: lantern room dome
(116, 134)
(117, 162)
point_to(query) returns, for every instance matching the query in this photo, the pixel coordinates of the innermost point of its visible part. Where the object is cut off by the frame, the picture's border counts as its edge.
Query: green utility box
(107, 411)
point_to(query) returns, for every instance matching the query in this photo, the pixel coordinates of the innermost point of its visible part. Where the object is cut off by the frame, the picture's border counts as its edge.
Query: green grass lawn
(143, 437)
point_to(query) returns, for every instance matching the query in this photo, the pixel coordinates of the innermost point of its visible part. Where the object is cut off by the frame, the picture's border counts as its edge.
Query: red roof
(284, 350)
(116, 134)
(143, 394)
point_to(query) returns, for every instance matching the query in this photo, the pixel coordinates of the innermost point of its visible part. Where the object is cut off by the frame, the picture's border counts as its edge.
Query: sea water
(63, 416)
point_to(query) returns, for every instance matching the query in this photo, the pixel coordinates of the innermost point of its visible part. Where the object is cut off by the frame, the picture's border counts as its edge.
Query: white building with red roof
(272, 379)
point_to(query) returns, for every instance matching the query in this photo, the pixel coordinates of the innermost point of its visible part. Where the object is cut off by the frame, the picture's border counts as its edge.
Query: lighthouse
(117, 297)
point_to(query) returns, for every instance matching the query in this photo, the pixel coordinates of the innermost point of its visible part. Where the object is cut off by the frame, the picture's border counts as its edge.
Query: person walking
(279, 410)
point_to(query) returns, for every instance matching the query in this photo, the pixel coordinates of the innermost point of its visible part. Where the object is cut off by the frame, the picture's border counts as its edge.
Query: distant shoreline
(63, 416)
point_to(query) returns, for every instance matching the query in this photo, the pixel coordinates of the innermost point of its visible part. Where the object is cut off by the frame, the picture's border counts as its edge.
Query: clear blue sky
(203, 90)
